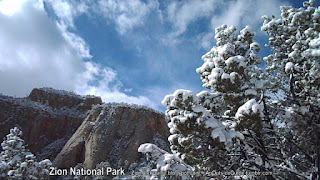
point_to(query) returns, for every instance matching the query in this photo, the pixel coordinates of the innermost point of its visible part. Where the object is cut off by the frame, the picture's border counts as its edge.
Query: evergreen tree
(207, 120)
(16, 162)
(293, 67)
(203, 125)
(255, 119)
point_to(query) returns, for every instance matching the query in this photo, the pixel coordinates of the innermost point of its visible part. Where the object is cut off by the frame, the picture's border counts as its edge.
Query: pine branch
(305, 153)
(293, 171)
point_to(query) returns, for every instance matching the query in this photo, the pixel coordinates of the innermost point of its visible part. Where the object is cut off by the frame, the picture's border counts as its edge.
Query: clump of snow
(314, 47)
(254, 46)
(206, 66)
(225, 76)
(217, 133)
(198, 108)
(24, 164)
(165, 161)
(250, 92)
(239, 60)
(224, 135)
(11, 172)
(184, 93)
(233, 76)
(215, 73)
(172, 138)
(245, 30)
(248, 108)
(167, 99)
(179, 95)
(224, 50)
(212, 123)
(289, 67)
(315, 42)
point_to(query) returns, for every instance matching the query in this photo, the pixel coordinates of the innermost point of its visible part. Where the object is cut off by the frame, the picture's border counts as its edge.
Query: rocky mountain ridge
(68, 128)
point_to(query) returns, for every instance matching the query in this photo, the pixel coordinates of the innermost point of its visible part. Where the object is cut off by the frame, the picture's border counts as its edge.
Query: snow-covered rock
(113, 132)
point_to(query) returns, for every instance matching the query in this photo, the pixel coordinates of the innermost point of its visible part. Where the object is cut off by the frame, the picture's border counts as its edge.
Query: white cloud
(9, 7)
(185, 12)
(37, 52)
(241, 13)
(126, 14)
(247, 12)
(33, 52)
(66, 11)
(75, 41)
(107, 87)
(206, 40)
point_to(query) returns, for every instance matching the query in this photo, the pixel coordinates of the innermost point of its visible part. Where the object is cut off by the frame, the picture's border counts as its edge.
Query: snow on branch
(165, 161)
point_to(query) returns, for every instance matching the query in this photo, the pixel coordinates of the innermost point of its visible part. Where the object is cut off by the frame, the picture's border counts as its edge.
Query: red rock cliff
(113, 132)
(47, 117)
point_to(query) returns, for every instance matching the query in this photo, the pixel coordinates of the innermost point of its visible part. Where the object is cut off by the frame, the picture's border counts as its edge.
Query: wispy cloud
(246, 12)
(126, 14)
(103, 82)
(66, 11)
(241, 13)
(75, 41)
(181, 14)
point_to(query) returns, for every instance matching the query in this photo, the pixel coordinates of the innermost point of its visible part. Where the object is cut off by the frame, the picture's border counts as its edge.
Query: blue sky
(134, 51)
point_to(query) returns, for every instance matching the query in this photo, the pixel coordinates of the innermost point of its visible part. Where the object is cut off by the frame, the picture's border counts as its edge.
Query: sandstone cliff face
(47, 117)
(113, 132)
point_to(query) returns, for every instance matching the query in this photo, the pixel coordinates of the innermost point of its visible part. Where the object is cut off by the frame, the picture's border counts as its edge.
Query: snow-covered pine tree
(197, 137)
(294, 68)
(230, 68)
(202, 125)
(17, 162)
(239, 84)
